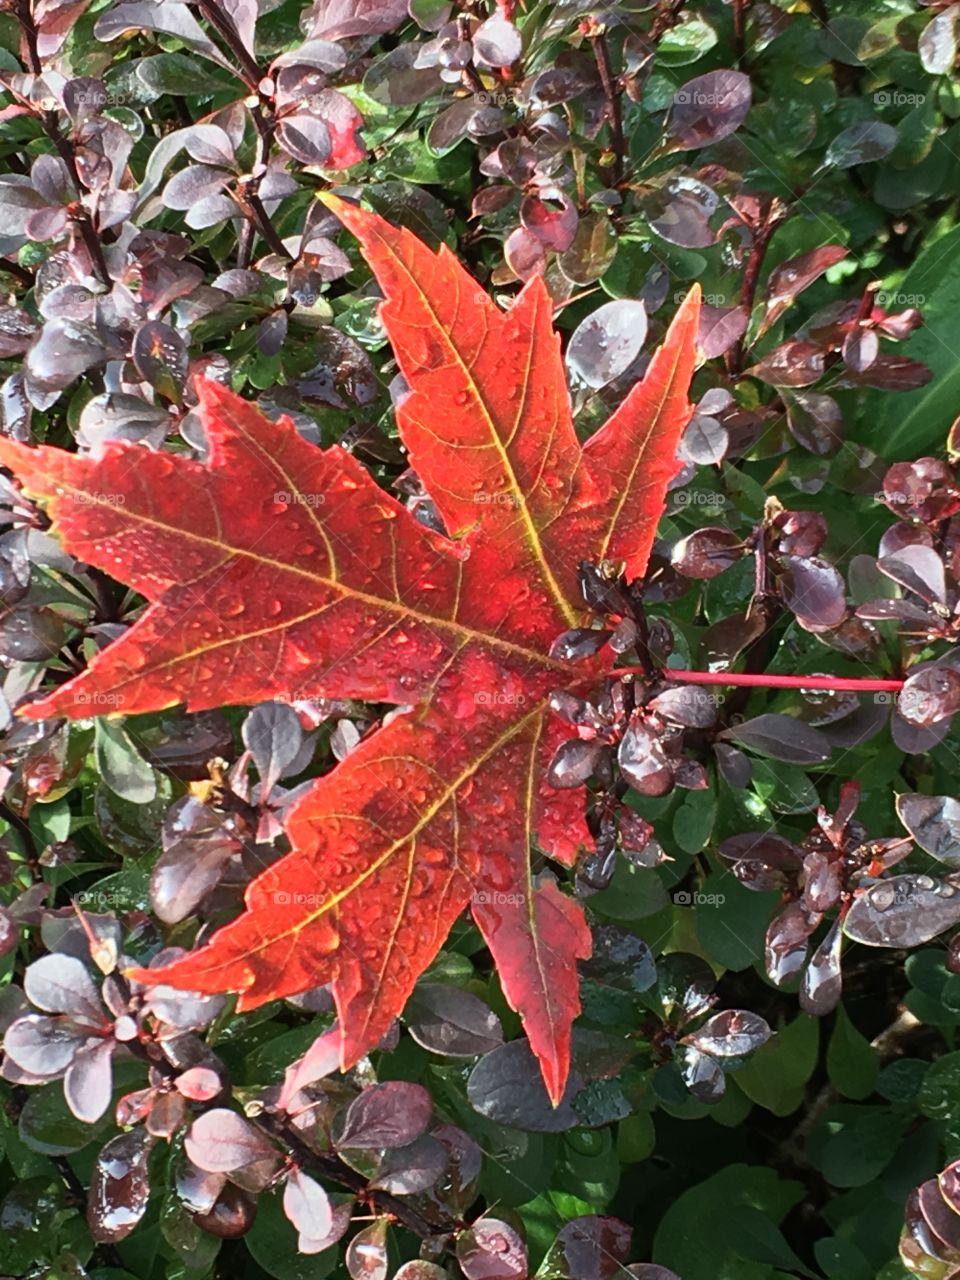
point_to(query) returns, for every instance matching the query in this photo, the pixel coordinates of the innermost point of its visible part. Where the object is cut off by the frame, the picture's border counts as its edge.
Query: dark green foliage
(157, 223)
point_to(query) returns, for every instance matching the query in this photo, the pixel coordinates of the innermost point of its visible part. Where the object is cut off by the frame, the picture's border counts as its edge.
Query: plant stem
(774, 214)
(63, 147)
(257, 218)
(611, 91)
(738, 28)
(868, 300)
(326, 1164)
(19, 273)
(263, 224)
(22, 827)
(223, 25)
(332, 1167)
(764, 680)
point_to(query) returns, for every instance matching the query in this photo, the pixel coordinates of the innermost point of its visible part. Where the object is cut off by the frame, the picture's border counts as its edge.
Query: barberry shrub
(478, 615)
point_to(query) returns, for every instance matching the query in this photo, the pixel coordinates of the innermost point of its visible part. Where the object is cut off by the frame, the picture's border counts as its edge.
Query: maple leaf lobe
(279, 570)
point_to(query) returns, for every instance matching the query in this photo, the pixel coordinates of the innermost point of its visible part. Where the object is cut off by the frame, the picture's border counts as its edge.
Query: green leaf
(902, 1079)
(179, 74)
(907, 424)
(694, 819)
(51, 822)
(851, 1063)
(720, 1226)
(47, 1124)
(516, 1165)
(733, 1108)
(939, 1096)
(853, 1145)
(685, 43)
(272, 1241)
(633, 893)
(782, 788)
(121, 766)
(731, 923)
(841, 1260)
(636, 1138)
(776, 1074)
(30, 1214)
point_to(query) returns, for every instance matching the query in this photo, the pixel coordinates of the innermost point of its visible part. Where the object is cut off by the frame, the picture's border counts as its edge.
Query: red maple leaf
(282, 571)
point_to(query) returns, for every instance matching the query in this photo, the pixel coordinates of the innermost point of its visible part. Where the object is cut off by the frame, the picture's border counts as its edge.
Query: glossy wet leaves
(588, 1248)
(781, 738)
(220, 1141)
(451, 1022)
(934, 822)
(603, 346)
(525, 159)
(387, 1115)
(120, 1187)
(904, 911)
(707, 109)
(492, 1250)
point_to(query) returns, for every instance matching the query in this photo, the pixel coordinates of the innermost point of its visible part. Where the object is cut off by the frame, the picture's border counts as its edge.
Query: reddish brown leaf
(790, 278)
(632, 458)
(281, 571)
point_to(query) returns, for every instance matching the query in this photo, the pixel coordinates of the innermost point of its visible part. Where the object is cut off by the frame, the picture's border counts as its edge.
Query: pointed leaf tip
(342, 209)
(688, 312)
(263, 562)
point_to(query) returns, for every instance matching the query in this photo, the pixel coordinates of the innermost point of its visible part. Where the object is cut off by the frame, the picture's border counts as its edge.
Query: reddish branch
(248, 191)
(224, 26)
(51, 128)
(739, 34)
(611, 91)
(325, 1164)
(764, 680)
(329, 1165)
(775, 213)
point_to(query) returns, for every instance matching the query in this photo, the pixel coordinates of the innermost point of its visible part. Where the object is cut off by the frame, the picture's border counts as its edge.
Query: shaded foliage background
(157, 222)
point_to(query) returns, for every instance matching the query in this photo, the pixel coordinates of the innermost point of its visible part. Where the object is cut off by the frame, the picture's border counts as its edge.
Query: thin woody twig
(774, 214)
(611, 92)
(63, 147)
(223, 25)
(764, 680)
